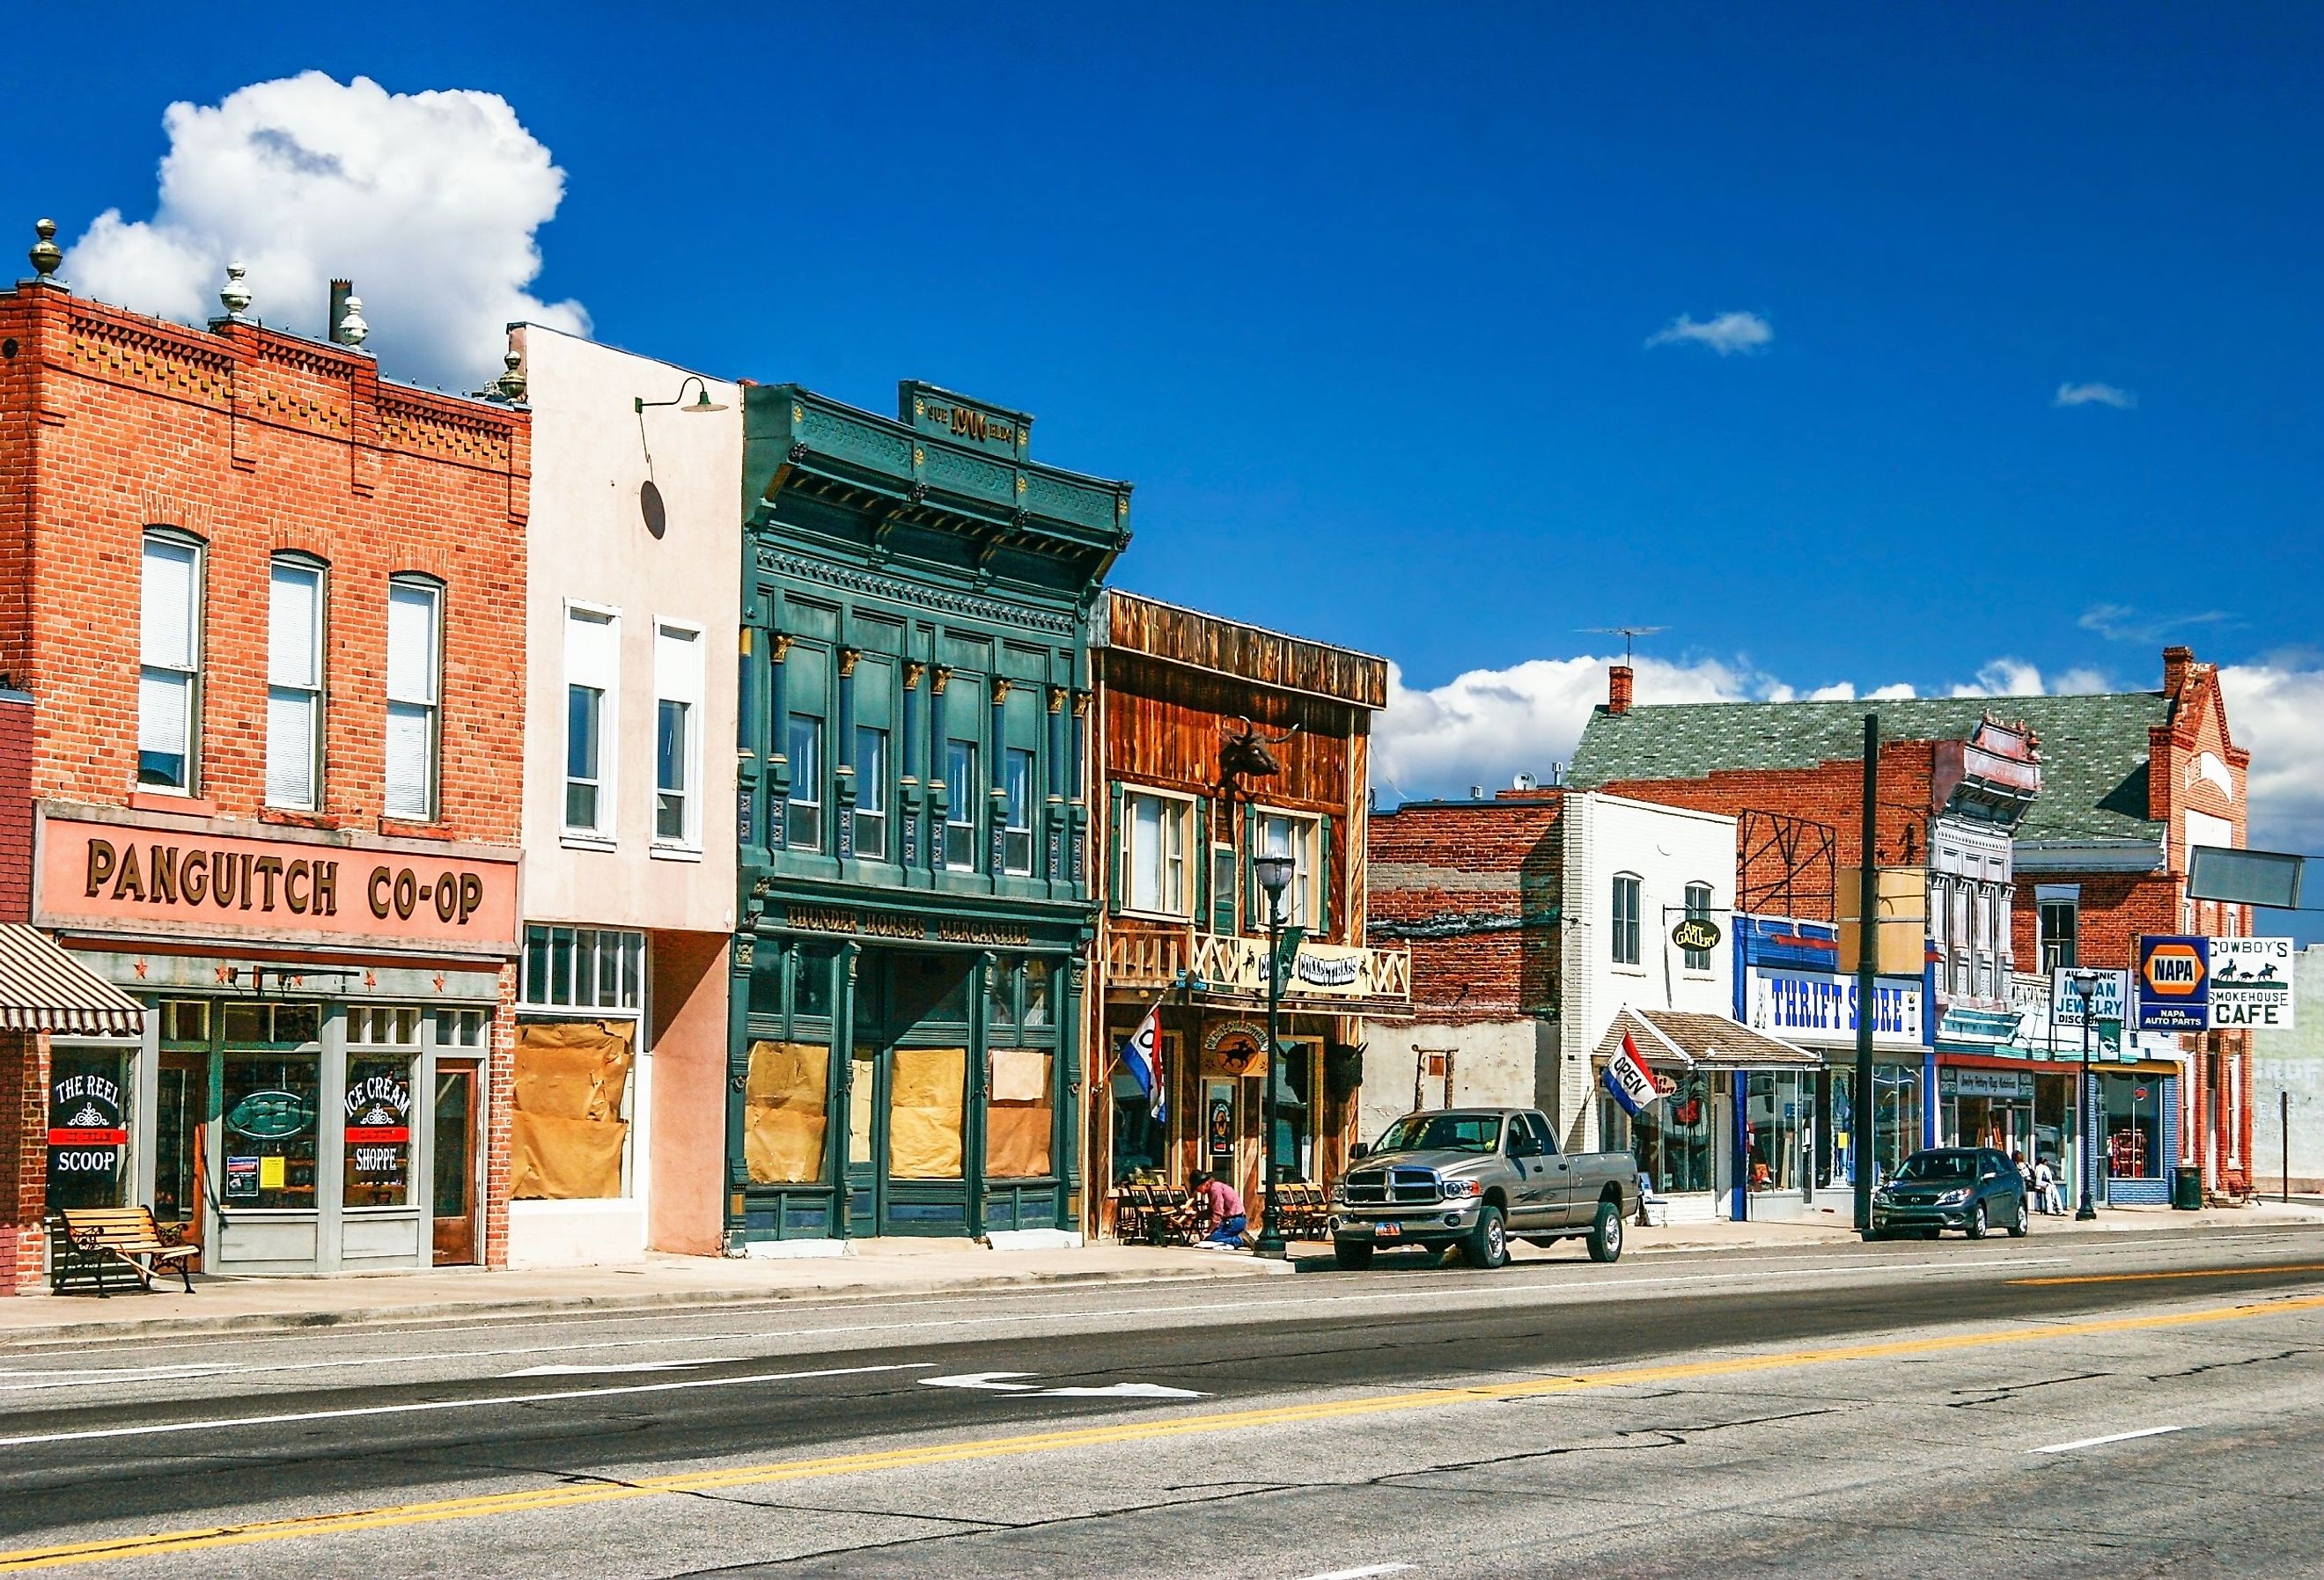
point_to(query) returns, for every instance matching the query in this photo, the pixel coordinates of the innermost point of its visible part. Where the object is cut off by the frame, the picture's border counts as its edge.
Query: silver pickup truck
(1478, 1178)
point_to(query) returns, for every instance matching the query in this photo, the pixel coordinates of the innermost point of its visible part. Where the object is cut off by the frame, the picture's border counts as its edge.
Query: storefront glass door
(867, 1142)
(457, 1113)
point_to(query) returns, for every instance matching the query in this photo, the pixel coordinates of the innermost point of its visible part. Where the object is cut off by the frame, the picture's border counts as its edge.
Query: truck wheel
(1606, 1233)
(1352, 1254)
(1488, 1244)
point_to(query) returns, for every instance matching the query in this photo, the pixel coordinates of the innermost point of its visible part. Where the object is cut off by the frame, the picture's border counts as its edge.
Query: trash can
(2187, 1189)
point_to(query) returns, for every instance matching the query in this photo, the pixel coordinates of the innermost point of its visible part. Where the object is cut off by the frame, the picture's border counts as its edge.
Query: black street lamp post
(1274, 873)
(2086, 983)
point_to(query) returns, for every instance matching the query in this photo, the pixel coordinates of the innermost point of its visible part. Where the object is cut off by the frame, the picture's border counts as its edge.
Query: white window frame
(290, 688)
(2049, 897)
(1619, 927)
(599, 671)
(960, 807)
(182, 671)
(429, 706)
(680, 677)
(1697, 962)
(1306, 834)
(1011, 831)
(871, 809)
(1176, 811)
(807, 782)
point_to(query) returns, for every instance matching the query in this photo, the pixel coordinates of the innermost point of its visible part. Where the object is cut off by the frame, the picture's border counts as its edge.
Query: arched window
(415, 667)
(294, 682)
(169, 667)
(1625, 932)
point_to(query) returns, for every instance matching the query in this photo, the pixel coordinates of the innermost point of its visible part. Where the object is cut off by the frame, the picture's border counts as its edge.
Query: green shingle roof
(2093, 748)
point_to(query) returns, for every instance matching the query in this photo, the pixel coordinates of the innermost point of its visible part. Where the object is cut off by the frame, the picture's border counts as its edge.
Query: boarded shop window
(1016, 1121)
(927, 1094)
(567, 1135)
(783, 1113)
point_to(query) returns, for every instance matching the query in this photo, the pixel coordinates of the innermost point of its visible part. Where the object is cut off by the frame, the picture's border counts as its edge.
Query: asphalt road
(2124, 1405)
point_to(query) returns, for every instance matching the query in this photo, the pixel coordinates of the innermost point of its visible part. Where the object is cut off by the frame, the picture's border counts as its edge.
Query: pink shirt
(1224, 1202)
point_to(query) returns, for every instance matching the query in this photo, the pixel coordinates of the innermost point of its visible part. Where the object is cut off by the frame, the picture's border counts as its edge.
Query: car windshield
(1931, 1167)
(1443, 1133)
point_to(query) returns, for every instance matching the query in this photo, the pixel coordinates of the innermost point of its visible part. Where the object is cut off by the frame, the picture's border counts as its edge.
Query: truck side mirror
(1358, 1150)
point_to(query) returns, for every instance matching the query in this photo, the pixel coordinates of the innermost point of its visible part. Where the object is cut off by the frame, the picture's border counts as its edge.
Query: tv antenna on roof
(1626, 633)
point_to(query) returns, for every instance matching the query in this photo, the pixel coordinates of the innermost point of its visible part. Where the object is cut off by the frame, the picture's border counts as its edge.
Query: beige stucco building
(633, 596)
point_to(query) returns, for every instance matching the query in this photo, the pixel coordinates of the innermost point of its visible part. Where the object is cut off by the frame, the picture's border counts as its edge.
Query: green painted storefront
(906, 1051)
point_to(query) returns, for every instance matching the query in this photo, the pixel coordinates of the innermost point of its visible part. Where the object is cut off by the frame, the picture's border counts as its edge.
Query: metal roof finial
(46, 254)
(352, 331)
(234, 294)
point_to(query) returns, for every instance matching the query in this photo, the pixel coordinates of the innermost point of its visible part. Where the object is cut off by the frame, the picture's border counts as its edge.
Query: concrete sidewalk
(871, 1269)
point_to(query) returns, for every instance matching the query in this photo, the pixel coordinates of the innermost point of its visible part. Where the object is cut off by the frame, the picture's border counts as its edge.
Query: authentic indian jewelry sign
(183, 877)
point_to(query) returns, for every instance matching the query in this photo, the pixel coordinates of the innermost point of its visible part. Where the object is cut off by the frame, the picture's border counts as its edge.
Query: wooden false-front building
(1221, 742)
(915, 907)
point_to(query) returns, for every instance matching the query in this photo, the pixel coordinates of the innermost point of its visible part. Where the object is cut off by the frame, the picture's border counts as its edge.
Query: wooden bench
(88, 1243)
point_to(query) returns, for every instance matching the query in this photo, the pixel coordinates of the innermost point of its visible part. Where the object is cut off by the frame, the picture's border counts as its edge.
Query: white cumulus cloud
(430, 201)
(1488, 726)
(2095, 395)
(2277, 711)
(1727, 334)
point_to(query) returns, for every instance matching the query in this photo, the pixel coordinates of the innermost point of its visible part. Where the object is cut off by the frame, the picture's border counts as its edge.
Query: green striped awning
(44, 989)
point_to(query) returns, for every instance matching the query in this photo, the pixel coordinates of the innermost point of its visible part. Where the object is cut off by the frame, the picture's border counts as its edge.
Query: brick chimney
(2176, 663)
(1618, 688)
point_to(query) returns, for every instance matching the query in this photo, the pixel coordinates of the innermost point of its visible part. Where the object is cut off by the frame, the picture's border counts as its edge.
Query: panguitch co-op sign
(137, 877)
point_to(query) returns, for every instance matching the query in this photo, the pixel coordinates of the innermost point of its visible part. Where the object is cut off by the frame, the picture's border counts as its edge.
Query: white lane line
(2111, 1437)
(443, 1404)
(993, 1319)
(621, 1368)
(1363, 1573)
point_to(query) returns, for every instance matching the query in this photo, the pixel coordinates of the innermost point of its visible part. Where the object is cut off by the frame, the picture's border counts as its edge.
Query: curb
(566, 1305)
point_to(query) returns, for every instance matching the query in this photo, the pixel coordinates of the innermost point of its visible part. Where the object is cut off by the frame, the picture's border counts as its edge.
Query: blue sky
(1360, 298)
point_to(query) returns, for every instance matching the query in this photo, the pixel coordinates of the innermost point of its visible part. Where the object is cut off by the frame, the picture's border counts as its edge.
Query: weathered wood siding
(1227, 647)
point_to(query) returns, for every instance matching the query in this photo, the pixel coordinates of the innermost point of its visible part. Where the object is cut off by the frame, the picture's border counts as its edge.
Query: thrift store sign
(1816, 1006)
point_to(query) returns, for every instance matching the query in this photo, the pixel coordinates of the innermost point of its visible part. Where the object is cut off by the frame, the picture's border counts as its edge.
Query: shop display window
(2134, 1125)
(272, 1108)
(88, 1118)
(375, 1111)
(1780, 1108)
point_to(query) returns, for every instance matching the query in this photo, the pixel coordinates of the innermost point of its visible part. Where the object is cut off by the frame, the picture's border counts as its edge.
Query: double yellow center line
(567, 1495)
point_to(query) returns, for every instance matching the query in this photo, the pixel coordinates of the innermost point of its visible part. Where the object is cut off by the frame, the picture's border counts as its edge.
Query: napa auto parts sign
(2189, 983)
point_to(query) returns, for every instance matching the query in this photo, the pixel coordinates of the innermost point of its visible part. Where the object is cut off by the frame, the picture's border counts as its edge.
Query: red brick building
(261, 641)
(1474, 890)
(2060, 853)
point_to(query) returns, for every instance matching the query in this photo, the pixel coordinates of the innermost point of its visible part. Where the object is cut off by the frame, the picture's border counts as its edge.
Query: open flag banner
(1629, 1079)
(1142, 1056)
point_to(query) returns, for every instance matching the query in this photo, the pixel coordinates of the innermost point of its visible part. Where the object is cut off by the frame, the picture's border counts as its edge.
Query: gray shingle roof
(2093, 748)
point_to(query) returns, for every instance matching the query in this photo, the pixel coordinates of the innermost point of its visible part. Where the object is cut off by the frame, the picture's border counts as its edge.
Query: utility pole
(1867, 972)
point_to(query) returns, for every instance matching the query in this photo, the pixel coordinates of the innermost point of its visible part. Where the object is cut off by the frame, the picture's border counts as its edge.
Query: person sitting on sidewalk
(1226, 1212)
(2045, 1185)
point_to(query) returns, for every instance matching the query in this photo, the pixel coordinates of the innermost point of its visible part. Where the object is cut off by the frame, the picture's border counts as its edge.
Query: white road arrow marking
(992, 1380)
(617, 1369)
(995, 1382)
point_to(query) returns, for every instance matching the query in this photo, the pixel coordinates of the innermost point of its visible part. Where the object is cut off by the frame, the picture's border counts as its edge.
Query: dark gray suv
(1970, 1188)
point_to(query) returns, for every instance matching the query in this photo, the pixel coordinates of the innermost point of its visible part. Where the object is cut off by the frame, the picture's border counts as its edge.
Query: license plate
(1388, 1230)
